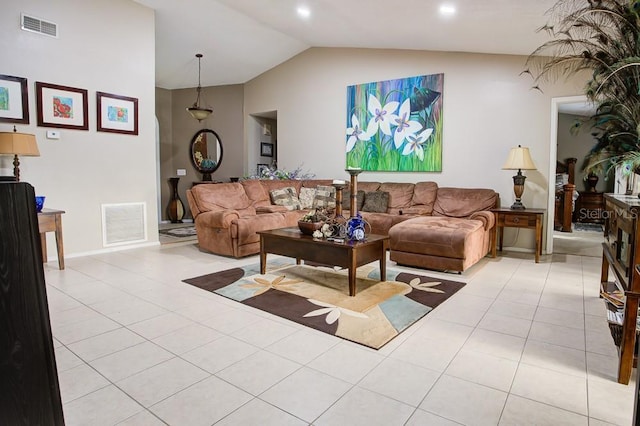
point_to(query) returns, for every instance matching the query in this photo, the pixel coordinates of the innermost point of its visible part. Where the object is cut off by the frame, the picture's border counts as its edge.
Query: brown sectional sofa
(429, 227)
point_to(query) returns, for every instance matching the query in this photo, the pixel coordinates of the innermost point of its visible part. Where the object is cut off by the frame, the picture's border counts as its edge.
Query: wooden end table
(349, 254)
(527, 218)
(50, 220)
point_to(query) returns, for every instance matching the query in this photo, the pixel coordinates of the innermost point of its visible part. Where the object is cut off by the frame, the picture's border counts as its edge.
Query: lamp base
(518, 206)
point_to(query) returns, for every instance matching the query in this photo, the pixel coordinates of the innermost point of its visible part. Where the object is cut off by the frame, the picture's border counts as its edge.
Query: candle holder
(354, 172)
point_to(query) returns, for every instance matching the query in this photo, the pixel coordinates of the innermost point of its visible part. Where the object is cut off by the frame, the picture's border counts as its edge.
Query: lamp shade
(18, 144)
(519, 159)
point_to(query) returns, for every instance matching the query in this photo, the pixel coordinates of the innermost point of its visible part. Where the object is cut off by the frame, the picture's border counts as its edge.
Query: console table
(527, 218)
(50, 220)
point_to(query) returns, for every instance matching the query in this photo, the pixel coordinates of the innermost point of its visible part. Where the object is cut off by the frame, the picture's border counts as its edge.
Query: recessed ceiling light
(447, 10)
(303, 12)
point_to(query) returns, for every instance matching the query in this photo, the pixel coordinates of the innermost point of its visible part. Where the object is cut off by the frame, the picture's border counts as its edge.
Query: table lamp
(519, 159)
(14, 143)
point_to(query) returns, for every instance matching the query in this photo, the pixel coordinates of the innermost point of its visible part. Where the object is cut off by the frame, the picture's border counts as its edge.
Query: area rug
(318, 297)
(593, 227)
(183, 232)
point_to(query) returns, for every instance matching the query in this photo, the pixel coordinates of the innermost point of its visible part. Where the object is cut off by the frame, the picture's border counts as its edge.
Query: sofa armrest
(271, 209)
(218, 219)
(487, 217)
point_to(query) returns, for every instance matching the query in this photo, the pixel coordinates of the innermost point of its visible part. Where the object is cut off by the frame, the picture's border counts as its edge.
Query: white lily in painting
(381, 116)
(415, 283)
(355, 133)
(415, 142)
(404, 126)
(333, 312)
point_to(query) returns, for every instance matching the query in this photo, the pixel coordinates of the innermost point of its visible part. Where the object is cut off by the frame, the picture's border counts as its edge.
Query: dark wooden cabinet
(589, 208)
(29, 389)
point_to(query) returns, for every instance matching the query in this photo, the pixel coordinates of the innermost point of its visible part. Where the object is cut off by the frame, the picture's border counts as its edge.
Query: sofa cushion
(306, 196)
(424, 196)
(221, 196)
(346, 199)
(325, 197)
(285, 197)
(377, 201)
(400, 195)
(462, 202)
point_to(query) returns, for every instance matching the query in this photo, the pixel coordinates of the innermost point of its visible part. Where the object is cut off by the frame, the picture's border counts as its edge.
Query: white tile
(484, 369)
(160, 325)
(554, 357)
(551, 387)
(204, 403)
(346, 362)
(380, 410)
(428, 353)
(601, 343)
(106, 406)
(505, 324)
(511, 309)
(264, 332)
(75, 332)
(295, 396)
(437, 329)
(258, 372)
(458, 314)
(143, 418)
(187, 338)
(257, 412)
(560, 317)
(303, 345)
(72, 316)
(400, 380)
(558, 335)
(497, 344)
(611, 402)
(130, 361)
(421, 418)
(219, 354)
(464, 402)
(230, 321)
(160, 381)
(65, 359)
(105, 344)
(79, 381)
(521, 411)
(603, 367)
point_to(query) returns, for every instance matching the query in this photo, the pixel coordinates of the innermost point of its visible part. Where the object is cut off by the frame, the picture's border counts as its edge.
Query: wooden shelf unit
(621, 255)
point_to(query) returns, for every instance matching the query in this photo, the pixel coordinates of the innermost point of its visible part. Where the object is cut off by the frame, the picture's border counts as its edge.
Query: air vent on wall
(37, 25)
(124, 223)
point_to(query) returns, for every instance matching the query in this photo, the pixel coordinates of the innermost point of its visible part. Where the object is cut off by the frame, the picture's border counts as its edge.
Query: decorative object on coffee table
(175, 209)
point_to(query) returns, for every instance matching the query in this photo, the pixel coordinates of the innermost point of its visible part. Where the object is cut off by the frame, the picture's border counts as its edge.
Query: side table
(50, 220)
(527, 218)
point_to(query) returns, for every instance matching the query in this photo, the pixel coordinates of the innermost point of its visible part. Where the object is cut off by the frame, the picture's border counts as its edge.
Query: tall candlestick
(354, 172)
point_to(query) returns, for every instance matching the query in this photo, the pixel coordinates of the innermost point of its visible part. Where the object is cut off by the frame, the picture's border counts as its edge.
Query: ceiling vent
(37, 25)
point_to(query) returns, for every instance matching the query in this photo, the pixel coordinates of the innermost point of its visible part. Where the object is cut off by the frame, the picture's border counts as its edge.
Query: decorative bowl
(39, 203)
(307, 228)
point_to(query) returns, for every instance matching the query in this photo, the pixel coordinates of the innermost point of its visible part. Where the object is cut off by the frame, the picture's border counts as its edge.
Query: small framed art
(117, 114)
(266, 149)
(62, 106)
(14, 100)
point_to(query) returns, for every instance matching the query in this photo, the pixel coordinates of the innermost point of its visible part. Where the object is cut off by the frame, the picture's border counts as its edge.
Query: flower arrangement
(282, 174)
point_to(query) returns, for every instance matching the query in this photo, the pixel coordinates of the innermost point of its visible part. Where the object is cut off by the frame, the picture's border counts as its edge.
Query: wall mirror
(206, 152)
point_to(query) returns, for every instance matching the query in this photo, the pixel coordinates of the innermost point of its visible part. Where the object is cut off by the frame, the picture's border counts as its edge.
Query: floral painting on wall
(396, 125)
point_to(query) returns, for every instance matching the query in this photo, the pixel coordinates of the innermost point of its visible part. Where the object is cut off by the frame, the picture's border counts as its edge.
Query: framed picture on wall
(266, 149)
(262, 168)
(14, 101)
(62, 106)
(117, 114)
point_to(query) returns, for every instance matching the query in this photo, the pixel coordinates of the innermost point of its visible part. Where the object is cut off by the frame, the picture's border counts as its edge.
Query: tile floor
(521, 343)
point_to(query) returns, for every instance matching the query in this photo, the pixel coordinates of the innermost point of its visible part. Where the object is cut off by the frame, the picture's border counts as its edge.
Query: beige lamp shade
(519, 159)
(18, 144)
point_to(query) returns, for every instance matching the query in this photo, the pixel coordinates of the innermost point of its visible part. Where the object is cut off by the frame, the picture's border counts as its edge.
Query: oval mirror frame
(205, 152)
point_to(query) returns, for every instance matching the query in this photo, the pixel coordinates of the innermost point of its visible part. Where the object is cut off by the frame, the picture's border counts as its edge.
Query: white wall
(103, 46)
(488, 109)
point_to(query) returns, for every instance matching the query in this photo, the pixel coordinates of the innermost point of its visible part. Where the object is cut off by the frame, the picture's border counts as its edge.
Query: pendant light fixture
(196, 111)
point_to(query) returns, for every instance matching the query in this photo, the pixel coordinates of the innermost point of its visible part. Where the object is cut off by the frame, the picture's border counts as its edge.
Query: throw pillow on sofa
(306, 197)
(376, 202)
(285, 197)
(325, 197)
(346, 200)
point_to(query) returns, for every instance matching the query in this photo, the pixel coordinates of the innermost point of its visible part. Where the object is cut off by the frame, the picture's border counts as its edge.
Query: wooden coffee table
(349, 254)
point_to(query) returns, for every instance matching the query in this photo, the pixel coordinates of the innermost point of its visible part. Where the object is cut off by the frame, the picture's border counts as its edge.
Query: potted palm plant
(603, 38)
